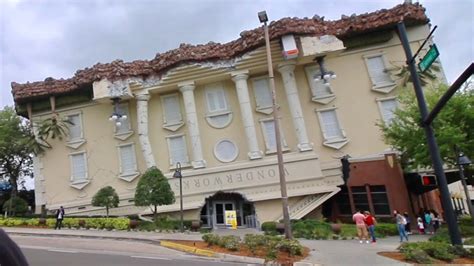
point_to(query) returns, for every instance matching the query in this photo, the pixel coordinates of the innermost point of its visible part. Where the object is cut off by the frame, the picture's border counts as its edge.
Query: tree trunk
(155, 212)
(107, 211)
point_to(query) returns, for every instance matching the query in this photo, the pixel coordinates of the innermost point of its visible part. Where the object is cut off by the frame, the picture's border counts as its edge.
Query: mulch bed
(282, 257)
(400, 257)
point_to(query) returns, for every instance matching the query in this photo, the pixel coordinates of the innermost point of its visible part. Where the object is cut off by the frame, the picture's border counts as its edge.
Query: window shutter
(78, 167)
(388, 109)
(270, 132)
(125, 123)
(377, 72)
(127, 159)
(172, 110)
(178, 151)
(216, 100)
(331, 125)
(75, 128)
(263, 96)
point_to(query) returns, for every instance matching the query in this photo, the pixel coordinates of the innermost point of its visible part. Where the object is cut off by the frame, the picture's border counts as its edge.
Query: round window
(226, 151)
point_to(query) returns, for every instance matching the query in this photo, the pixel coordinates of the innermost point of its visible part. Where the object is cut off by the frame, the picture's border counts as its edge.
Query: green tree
(154, 190)
(16, 147)
(15, 205)
(454, 125)
(106, 197)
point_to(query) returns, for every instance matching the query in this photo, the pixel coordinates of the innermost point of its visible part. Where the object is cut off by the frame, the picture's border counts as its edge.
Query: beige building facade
(208, 108)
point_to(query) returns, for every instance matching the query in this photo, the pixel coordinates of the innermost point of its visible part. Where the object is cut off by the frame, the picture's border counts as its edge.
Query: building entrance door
(220, 208)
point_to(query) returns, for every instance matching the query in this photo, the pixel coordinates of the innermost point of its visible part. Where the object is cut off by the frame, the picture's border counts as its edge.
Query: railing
(251, 221)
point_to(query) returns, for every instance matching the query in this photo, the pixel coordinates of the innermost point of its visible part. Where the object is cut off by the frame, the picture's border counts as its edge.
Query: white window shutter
(75, 128)
(388, 109)
(124, 123)
(78, 167)
(377, 71)
(178, 151)
(263, 96)
(127, 159)
(172, 110)
(331, 125)
(216, 100)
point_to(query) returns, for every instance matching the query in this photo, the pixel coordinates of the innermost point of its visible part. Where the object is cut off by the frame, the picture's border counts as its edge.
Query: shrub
(469, 241)
(269, 227)
(230, 242)
(467, 230)
(18, 206)
(311, 229)
(211, 239)
(460, 251)
(253, 241)
(147, 226)
(418, 256)
(293, 247)
(438, 250)
(442, 235)
(386, 229)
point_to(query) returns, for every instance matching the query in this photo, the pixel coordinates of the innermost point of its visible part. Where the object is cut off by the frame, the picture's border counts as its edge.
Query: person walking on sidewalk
(370, 222)
(59, 218)
(359, 220)
(401, 222)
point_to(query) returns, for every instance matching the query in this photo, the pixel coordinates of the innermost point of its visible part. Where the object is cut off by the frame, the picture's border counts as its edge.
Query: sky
(55, 38)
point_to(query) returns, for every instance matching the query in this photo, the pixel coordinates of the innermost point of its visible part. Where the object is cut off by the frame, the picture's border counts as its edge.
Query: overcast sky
(40, 39)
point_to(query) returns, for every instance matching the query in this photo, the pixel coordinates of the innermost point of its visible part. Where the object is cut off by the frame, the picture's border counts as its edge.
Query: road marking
(152, 258)
(62, 251)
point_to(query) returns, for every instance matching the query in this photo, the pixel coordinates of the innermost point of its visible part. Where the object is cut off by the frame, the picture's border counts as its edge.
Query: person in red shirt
(359, 218)
(370, 222)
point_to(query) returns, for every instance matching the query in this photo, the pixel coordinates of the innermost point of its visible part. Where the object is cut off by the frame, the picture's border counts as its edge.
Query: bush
(437, 250)
(230, 242)
(469, 241)
(147, 226)
(18, 206)
(293, 247)
(386, 229)
(466, 230)
(418, 256)
(311, 229)
(269, 227)
(442, 235)
(460, 251)
(211, 239)
(253, 241)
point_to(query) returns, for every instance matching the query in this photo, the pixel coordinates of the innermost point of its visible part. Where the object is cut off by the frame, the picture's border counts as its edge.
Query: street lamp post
(177, 174)
(462, 161)
(262, 16)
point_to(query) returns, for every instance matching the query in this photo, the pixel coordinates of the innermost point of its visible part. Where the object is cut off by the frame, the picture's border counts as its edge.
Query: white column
(240, 79)
(142, 119)
(187, 89)
(289, 82)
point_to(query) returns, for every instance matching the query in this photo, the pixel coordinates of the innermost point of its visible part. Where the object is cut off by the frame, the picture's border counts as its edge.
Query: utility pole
(284, 196)
(432, 145)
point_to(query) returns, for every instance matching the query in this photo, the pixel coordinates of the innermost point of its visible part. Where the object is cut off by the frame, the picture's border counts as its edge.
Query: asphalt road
(50, 251)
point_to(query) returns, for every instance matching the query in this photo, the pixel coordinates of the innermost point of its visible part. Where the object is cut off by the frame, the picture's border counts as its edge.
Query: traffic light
(428, 180)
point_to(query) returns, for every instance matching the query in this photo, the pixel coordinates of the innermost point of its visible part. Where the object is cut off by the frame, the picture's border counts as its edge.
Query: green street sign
(429, 58)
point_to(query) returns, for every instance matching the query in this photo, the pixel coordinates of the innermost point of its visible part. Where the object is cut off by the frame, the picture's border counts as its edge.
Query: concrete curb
(208, 253)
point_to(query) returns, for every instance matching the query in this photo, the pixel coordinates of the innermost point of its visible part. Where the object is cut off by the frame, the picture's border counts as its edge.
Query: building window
(379, 74)
(75, 134)
(78, 167)
(177, 150)
(263, 95)
(380, 200)
(226, 151)
(268, 128)
(359, 196)
(172, 118)
(321, 92)
(343, 201)
(333, 134)
(124, 130)
(219, 114)
(387, 109)
(128, 162)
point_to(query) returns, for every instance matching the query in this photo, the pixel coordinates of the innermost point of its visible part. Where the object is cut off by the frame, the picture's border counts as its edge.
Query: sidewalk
(323, 252)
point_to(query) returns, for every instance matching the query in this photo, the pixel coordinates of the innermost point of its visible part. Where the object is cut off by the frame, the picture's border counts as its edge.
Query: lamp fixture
(262, 16)
(116, 116)
(325, 75)
(463, 159)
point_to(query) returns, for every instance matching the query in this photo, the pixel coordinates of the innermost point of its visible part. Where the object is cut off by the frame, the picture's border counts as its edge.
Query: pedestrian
(59, 218)
(10, 253)
(421, 227)
(359, 220)
(428, 225)
(370, 222)
(401, 222)
(408, 225)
